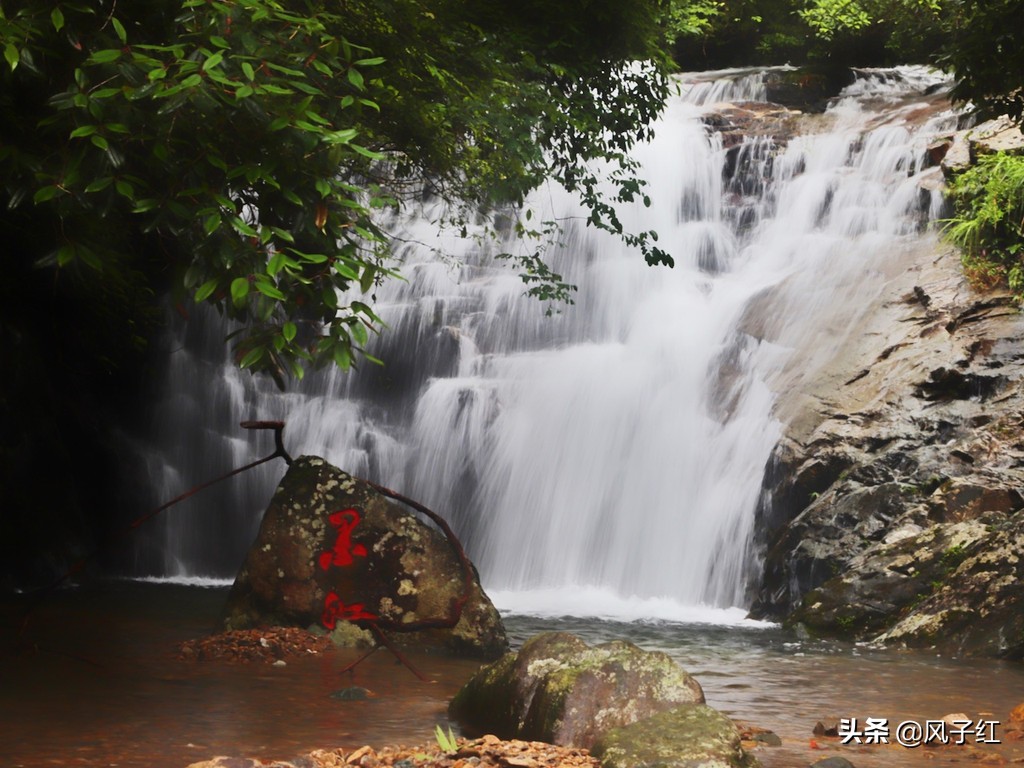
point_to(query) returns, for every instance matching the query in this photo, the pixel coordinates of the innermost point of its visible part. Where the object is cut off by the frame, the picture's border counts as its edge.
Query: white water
(618, 448)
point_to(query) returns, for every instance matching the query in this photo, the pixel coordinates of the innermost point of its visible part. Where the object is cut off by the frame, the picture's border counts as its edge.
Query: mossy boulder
(332, 552)
(560, 690)
(694, 736)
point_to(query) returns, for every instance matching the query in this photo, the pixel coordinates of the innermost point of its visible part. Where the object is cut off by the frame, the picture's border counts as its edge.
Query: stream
(99, 684)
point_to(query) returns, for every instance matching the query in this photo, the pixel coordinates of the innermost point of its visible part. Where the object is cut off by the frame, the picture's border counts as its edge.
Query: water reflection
(101, 685)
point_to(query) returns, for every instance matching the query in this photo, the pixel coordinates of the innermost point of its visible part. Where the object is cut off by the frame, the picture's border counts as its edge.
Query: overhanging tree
(236, 151)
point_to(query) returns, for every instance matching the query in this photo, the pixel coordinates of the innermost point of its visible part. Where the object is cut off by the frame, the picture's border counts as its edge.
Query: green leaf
(46, 193)
(367, 152)
(100, 184)
(250, 73)
(119, 29)
(347, 272)
(57, 19)
(366, 281)
(269, 290)
(356, 78)
(275, 264)
(340, 137)
(289, 330)
(242, 228)
(85, 130)
(12, 55)
(213, 61)
(359, 333)
(105, 56)
(312, 258)
(206, 290)
(211, 223)
(369, 62)
(239, 289)
(342, 356)
(253, 357)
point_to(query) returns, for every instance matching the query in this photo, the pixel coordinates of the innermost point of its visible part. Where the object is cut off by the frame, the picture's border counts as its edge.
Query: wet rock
(352, 693)
(804, 88)
(685, 737)
(827, 727)
(951, 384)
(912, 444)
(736, 121)
(999, 135)
(334, 553)
(768, 739)
(977, 608)
(833, 762)
(559, 689)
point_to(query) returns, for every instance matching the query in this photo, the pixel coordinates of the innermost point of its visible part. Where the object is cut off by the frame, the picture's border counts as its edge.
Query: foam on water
(605, 604)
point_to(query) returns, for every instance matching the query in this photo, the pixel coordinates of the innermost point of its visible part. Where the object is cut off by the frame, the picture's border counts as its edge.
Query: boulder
(560, 690)
(334, 553)
(694, 736)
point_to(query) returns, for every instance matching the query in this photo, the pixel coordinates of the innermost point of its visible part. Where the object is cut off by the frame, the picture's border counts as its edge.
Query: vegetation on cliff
(988, 223)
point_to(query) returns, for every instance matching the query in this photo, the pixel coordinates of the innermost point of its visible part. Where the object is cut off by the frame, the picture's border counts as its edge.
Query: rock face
(892, 509)
(333, 552)
(960, 151)
(560, 690)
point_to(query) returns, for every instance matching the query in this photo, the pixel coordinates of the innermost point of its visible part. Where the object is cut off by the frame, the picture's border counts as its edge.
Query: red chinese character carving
(343, 551)
(334, 609)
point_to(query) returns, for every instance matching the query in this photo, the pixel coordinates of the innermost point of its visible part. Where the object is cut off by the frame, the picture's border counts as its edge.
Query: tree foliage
(239, 151)
(985, 50)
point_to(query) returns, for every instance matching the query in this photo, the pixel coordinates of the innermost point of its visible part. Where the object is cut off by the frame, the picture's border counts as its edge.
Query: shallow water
(99, 684)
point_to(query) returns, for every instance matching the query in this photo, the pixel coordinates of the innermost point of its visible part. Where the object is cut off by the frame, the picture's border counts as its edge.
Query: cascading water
(619, 446)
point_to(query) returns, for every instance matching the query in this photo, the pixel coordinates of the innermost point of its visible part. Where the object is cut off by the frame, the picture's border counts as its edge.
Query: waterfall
(620, 444)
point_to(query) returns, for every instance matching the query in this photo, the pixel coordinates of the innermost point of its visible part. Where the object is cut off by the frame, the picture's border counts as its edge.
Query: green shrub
(988, 221)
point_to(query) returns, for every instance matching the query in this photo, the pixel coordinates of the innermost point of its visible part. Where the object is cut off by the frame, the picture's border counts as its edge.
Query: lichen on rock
(694, 736)
(332, 550)
(559, 689)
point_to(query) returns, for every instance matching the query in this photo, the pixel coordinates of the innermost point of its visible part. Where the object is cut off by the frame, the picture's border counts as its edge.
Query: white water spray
(620, 445)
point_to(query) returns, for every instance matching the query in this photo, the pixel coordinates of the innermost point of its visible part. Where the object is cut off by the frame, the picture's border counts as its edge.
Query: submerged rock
(559, 689)
(334, 553)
